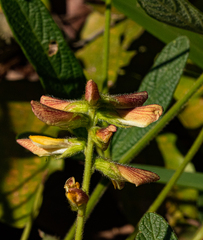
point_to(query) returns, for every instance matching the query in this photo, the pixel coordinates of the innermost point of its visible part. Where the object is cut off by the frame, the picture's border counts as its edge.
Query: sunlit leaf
(191, 115)
(92, 54)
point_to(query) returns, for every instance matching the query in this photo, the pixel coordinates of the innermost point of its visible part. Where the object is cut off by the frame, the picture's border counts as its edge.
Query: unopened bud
(102, 136)
(92, 92)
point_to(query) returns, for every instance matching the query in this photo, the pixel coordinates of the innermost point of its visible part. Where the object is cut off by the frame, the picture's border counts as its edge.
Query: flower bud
(92, 92)
(76, 196)
(119, 174)
(65, 105)
(102, 136)
(59, 118)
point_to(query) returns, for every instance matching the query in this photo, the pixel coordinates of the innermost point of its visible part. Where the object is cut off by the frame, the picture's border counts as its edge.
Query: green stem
(159, 200)
(199, 234)
(143, 142)
(106, 44)
(34, 213)
(86, 179)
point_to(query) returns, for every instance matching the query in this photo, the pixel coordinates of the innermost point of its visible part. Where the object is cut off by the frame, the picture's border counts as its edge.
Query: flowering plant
(91, 113)
(109, 130)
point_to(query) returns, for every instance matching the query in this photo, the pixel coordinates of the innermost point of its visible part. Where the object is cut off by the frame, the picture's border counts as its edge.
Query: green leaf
(44, 46)
(178, 13)
(164, 32)
(160, 83)
(153, 226)
(187, 179)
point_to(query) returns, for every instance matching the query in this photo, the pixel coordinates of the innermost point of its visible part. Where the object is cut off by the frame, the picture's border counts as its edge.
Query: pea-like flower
(119, 174)
(47, 146)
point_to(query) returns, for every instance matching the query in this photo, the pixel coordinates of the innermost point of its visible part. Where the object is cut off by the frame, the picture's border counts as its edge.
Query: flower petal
(48, 142)
(59, 118)
(127, 101)
(28, 144)
(136, 175)
(65, 105)
(54, 102)
(141, 116)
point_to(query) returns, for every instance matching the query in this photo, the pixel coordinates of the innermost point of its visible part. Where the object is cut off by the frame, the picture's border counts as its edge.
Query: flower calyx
(119, 174)
(76, 196)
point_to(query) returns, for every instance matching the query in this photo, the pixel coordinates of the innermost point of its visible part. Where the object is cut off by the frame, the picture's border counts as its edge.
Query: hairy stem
(86, 179)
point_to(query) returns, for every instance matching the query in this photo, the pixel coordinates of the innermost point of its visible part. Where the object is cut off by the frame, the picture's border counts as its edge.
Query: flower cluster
(117, 110)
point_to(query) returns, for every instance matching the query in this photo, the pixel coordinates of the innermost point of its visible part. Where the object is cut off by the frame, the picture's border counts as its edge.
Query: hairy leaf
(164, 32)
(153, 226)
(179, 13)
(44, 46)
(160, 83)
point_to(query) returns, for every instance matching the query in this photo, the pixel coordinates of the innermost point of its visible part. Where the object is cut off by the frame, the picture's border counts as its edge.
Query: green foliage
(154, 227)
(178, 13)
(160, 30)
(45, 47)
(160, 83)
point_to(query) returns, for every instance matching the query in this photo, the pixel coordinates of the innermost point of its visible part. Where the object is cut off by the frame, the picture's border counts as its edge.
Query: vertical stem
(86, 179)
(106, 44)
(196, 145)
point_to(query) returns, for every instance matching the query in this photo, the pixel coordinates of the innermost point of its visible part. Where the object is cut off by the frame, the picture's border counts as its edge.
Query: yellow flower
(47, 146)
